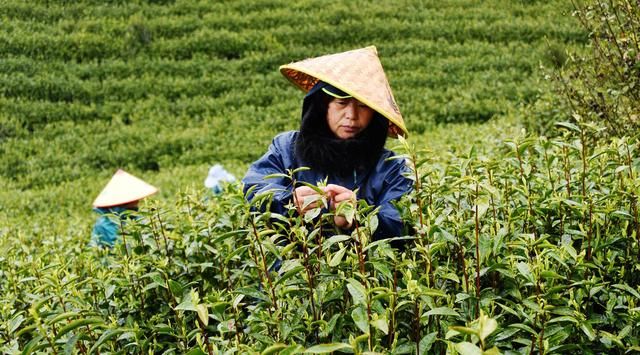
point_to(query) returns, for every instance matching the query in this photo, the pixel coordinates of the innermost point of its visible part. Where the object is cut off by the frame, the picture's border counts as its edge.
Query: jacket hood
(318, 148)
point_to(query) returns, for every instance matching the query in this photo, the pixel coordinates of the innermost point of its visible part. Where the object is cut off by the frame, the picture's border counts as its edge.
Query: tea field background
(166, 89)
(518, 243)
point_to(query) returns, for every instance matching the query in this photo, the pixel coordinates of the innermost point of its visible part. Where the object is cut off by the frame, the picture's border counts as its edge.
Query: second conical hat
(123, 188)
(357, 72)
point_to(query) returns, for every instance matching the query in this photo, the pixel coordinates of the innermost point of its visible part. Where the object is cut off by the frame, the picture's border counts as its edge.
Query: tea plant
(530, 251)
(598, 85)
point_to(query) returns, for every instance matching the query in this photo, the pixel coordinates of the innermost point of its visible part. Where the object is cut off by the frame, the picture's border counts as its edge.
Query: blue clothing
(379, 186)
(217, 175)
(106, 230)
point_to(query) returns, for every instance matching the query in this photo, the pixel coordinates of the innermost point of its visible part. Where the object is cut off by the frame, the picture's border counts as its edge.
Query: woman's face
(348, 117)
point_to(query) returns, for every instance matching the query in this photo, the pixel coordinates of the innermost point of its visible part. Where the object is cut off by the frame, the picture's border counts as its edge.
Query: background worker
(114, 204)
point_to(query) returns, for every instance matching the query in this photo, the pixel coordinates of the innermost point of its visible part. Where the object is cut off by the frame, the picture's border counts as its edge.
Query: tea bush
(528, 247)
(598, 85)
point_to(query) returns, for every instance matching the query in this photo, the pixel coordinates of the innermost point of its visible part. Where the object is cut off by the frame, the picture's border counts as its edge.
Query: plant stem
(477, 233)
(392, 305)
(124, 238)
(634, 31)
(418, 189)
(548, 164)
(205, 337)
(264, 265)
(493, 206)
(416, 310)
(526, 185)
(164, 236)
(614, 39)
(590, 231)
(634, 198)
(462, 264)
(567, 170)
(359, 248)
(583, 153)
(310, 278)
(360, 251)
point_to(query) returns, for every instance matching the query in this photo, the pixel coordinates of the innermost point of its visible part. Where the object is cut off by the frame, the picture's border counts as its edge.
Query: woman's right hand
(340, 194)
(305, 192)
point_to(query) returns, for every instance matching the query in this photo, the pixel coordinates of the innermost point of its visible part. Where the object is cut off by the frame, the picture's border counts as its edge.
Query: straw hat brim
(123, 188)
(351, 72)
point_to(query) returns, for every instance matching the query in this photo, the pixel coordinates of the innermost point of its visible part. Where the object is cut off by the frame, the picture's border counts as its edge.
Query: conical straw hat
(358, 73)
(123, 188)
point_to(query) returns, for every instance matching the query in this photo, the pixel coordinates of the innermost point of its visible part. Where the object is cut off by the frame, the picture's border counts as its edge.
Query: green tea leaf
(466, 348)
(562, 319)
(63, 316)
(588, 330)
(569, 126)
(186, 305)
(77, 324)
(196, 351)
(326, 245)
(627, 288)
(292, 349)
(357, 291)
(252, 292)
(486, 325)
(525, 271)
(175, 287)
(359, 316)
(31, 345)
(382, 324)
(273, 349)
(203, 313)
(492, 351)
(382, 269)
(524, 327)
(336, 259)
(427, 342)
(463, 330)
(15, 323)
(327, 348)
(110, 333)
(287, 275)
(442, 311)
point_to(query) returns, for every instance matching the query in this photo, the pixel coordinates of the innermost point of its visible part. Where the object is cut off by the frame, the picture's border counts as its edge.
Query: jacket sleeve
(394, 187)
(105, 230)
(272, 162)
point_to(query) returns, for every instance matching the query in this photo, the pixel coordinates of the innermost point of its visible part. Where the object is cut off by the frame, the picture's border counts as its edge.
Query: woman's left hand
(338, 194)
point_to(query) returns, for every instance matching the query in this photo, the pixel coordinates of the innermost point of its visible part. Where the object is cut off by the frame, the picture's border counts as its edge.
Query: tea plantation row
(200, 74)
(525, 246)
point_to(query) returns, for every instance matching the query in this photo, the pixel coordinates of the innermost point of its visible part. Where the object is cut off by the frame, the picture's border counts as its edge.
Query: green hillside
(162, 88)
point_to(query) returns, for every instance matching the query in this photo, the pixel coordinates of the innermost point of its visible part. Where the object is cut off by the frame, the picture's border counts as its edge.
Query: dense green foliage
(601, 85)
(542, 236)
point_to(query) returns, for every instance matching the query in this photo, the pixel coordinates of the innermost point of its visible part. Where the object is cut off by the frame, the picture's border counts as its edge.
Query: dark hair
(318, 148)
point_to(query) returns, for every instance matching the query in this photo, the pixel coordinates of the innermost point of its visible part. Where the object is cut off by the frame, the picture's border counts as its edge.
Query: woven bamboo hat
(123, 188)
(357, 72)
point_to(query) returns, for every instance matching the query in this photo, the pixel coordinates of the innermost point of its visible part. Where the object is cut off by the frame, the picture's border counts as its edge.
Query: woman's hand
(303, 193)
(338, 194)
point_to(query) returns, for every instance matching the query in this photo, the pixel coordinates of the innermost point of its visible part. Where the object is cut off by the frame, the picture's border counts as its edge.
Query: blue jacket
(107, 228)
(379, 186)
